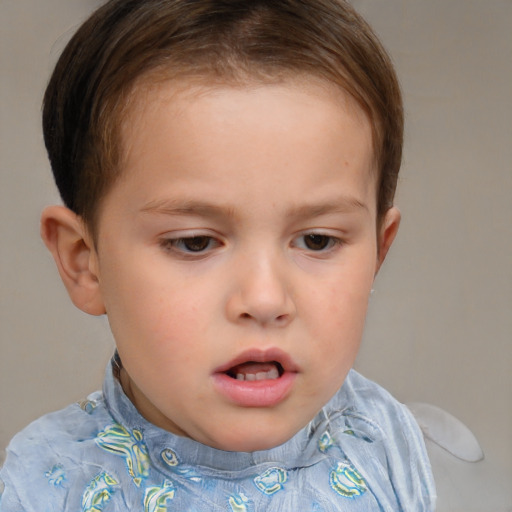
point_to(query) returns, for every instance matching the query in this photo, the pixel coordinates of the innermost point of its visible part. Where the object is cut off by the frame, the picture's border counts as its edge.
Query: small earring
(372, 291)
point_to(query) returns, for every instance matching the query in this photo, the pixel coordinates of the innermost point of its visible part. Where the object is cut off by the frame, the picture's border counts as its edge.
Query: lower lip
(255, 393)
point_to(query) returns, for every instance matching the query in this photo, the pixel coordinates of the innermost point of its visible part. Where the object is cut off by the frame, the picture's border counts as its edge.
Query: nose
(261, 292)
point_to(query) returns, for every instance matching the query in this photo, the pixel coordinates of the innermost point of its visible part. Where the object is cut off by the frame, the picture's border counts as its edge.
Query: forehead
(186, 96)
(279, 147)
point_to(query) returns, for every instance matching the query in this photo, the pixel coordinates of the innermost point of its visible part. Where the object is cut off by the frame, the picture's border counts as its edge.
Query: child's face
(240, 240)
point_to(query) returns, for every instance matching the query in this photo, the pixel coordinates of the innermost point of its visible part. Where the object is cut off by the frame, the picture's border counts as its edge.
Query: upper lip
(261, 356)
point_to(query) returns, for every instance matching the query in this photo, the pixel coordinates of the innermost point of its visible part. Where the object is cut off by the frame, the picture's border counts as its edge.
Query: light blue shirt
(363, 452)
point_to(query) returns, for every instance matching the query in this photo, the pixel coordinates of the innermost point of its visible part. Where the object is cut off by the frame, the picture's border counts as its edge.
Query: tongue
(253, 368)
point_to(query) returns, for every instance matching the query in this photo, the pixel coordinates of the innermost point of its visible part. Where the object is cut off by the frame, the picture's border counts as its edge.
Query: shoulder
(375, 410)
(36, 456)
(77, 422)
(368, 400)
(384, 439)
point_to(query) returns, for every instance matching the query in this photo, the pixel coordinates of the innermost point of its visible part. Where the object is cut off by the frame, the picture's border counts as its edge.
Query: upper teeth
(271, 374)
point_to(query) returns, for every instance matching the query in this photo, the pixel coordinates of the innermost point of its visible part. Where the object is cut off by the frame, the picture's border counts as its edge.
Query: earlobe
(73, 251)
(387, 233)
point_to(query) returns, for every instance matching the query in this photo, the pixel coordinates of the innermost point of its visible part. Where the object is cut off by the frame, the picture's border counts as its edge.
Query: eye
(317, 242)
(196, 243)
(191, 244)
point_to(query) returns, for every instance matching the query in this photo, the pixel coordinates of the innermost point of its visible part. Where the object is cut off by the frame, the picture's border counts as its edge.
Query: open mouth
(257, 378)
(255, 371)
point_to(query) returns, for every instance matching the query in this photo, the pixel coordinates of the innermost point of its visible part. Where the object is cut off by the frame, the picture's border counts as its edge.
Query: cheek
(340, 308)
(347, 294)
(138, 301)
(162, 317)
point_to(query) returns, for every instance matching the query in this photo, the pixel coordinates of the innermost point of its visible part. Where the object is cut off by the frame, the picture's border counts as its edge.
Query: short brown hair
(228, 40)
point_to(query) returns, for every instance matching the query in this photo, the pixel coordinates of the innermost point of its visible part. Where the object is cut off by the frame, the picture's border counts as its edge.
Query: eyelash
(179, 245)
(204, 244)
(328, 242)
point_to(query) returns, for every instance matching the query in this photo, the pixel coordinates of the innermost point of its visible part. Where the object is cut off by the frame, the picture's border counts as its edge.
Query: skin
(244, 220)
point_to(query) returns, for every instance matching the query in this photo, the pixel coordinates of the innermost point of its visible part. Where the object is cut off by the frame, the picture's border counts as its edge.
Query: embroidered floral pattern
(88, 406)
(169, 457)
(156, 499)
(325, 442)
(98, 493)
(271, 480)
(347, 481)
(130, 445)
(56, 476)
(239, 503)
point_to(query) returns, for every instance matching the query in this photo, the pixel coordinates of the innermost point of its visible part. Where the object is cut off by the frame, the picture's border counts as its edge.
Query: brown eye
(190, 246)
(196, 243)
(316, 242)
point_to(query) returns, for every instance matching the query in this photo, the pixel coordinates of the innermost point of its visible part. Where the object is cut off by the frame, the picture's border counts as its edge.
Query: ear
(387, 232)
(67, 239)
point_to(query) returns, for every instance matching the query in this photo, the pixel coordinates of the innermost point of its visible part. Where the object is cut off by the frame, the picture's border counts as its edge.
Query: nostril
(278, 319)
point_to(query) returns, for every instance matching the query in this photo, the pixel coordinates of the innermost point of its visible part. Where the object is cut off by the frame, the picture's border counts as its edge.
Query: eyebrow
(343, 204)
(187, 207)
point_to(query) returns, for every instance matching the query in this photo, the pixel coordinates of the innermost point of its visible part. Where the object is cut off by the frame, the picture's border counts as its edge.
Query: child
(228, 169)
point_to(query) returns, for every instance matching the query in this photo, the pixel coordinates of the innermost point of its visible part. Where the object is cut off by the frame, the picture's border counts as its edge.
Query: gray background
(440, 321)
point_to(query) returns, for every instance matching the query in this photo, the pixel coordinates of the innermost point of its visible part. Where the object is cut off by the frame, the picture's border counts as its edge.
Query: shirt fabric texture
(363, 452)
